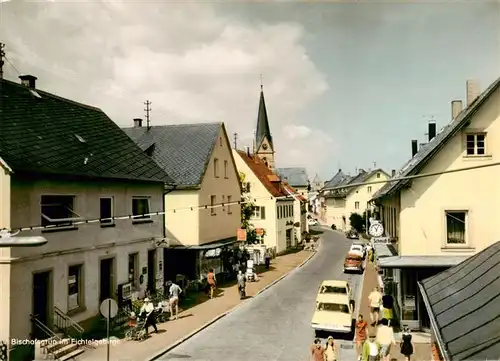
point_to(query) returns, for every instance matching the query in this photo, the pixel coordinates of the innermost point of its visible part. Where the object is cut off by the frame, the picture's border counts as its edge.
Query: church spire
(263, 131)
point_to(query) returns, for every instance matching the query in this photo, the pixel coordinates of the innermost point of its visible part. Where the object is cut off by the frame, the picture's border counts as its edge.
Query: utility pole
(148, 109)
(235, 140)
(2, 55)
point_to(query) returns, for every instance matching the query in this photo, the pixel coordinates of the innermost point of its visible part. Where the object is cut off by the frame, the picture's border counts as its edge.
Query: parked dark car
(352, 234)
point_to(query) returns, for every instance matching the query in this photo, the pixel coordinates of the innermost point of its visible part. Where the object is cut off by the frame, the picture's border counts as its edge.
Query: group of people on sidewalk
(376, 344)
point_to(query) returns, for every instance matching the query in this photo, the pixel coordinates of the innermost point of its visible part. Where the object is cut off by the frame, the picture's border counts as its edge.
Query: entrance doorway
(42, 302)
(106, 279)
(151, 270)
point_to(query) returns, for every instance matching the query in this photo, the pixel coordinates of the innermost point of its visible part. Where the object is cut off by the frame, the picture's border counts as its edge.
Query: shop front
(193, 262)
(403, 274)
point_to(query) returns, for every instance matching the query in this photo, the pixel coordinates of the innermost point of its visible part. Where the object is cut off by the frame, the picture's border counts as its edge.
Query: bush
(357, 222)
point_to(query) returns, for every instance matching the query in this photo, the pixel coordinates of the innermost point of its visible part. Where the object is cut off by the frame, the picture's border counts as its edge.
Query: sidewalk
(195, 317)
(422, 348)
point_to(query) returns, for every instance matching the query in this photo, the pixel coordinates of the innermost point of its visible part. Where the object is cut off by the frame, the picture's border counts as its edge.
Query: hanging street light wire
(252, 200)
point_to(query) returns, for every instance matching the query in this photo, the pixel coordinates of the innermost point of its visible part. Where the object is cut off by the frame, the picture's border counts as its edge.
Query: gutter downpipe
(440, 342)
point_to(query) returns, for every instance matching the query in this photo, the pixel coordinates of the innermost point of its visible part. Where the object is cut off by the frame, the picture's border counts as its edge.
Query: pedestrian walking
(375, 299)
(371, 349)
(406, 344)
(267, 259)
(242, 282)
(212, 282)
(174, 291)
(331, 350)
(147, 311)
(361, 335)
(317, 351)
(387, 304)
(385, 337)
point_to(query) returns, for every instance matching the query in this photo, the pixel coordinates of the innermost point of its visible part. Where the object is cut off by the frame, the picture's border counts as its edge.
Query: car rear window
(333, 307)
(332, 289)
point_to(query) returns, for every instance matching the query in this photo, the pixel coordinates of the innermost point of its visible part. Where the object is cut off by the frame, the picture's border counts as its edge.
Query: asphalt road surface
(276, 325)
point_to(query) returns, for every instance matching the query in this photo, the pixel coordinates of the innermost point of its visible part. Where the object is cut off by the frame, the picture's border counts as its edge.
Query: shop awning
(208, 246)
(420, 261)
(384, 250)
(463, 304)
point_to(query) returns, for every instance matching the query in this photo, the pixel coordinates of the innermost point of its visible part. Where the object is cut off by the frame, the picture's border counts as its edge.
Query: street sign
(376, 230)
(241, 234)
(109, 308)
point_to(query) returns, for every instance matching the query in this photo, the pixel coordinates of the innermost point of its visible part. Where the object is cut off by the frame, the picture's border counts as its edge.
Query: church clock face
(264, 146)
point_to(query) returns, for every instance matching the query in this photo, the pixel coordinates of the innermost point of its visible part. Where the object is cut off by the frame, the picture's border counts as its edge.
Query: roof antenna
(235, 140)
(261, 84)
(148, 109)
(2, 55)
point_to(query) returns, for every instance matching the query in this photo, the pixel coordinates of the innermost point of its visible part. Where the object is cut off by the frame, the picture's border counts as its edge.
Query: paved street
(275, 326)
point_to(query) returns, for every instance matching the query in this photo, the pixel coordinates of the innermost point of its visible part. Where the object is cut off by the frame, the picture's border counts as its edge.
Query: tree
(247, 208)
(357, 222)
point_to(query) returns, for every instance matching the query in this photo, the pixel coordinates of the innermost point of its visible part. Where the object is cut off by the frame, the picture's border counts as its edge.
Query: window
(378, 175)
(223, 203)
(75, 288)
(229, 200)
(212, 206)
(106, 213)
(216, 168)
(456, 222)
(475, 144)
(58, 210)
(286, 211)
(133, 269)
(140, 208)
(220, 141)
(291, 210)
(369, 189)
(225, 169)
(259, 213)
(356, 205)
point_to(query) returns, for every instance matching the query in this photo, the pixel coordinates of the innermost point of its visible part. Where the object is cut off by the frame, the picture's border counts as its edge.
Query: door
(106, 279)
(151, 270)
(42, 297)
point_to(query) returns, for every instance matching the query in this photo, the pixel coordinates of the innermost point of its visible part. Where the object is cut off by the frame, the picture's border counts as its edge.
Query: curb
(222, 315)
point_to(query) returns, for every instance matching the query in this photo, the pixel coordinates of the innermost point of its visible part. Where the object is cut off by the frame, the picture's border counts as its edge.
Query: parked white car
(358, 250)
(313, 222)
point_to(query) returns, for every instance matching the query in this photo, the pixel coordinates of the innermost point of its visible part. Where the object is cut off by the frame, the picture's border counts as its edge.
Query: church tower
(264, 147)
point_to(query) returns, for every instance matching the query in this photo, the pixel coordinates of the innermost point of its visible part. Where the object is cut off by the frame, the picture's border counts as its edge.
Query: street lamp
(7, 239)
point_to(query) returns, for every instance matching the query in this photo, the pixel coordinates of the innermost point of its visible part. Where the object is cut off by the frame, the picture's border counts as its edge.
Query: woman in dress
(331, 351)
(406, 344)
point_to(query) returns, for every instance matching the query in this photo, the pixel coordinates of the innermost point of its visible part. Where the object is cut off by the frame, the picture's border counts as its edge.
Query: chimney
(28, 81)
(472, 91)
(432, 130)
(456, 108)
(248, 151)
(393, 173)
(137, 122)
(414, 147)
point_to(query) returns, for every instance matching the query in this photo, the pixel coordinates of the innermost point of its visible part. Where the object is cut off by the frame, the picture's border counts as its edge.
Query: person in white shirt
(385, 337)
(147, 310)
(174, 292)
(375, 299)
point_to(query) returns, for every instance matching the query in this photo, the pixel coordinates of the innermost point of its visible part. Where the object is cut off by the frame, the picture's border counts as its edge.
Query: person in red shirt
(360, 338)
(211, 282)
(317, 351)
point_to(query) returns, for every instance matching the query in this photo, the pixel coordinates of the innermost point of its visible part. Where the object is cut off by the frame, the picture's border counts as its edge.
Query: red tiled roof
(299, 196)
(269, 179)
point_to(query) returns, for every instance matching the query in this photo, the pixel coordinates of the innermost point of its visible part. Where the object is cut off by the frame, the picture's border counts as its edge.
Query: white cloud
(192, 62)
(293, 132)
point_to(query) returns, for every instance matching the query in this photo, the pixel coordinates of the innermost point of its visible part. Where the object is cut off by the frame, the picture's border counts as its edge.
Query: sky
(347, 85)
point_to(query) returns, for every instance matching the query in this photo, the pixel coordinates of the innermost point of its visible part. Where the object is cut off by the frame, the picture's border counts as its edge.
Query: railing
(48, 332)
(64, 323)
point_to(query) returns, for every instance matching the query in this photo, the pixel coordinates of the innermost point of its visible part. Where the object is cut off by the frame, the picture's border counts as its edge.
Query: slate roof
(41, 133)
(295, 176)
(340, 180)
(464, 305)
(182, 150)
(263, 130)
(428, 150)
(264, 174)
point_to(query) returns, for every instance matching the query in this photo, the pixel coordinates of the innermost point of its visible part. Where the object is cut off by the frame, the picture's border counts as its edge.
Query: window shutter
(263, 212)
